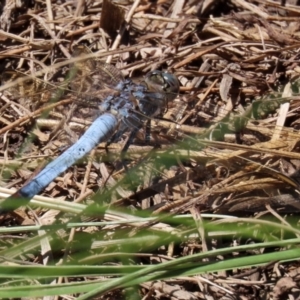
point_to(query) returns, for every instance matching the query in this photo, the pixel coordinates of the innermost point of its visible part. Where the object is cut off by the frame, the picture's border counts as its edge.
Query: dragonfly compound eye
(155, 77)
(165, 82)
(171, 83)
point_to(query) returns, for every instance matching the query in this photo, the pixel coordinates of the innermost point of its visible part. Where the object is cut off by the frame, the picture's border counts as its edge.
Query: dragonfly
(127, 108)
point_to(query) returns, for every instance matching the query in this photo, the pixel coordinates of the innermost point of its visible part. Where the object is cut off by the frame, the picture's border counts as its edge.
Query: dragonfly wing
(91, 79)
(31, 93)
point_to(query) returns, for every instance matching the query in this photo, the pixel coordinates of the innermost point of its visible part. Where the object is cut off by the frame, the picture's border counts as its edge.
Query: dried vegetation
(229, 144)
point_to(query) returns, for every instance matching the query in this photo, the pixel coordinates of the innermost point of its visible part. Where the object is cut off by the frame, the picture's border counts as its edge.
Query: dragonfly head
(163, 82)
(158, 88)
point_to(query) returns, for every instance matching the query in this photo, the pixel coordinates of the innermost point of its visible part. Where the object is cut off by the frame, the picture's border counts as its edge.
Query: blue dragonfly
(126, 108)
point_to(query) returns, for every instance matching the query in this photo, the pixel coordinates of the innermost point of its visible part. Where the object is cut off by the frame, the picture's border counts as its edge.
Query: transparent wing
(87, 80)
(92, 79)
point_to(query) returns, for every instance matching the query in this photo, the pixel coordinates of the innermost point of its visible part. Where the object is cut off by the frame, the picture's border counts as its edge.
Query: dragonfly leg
(148, 132)
(129, 141)
(113, 139)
